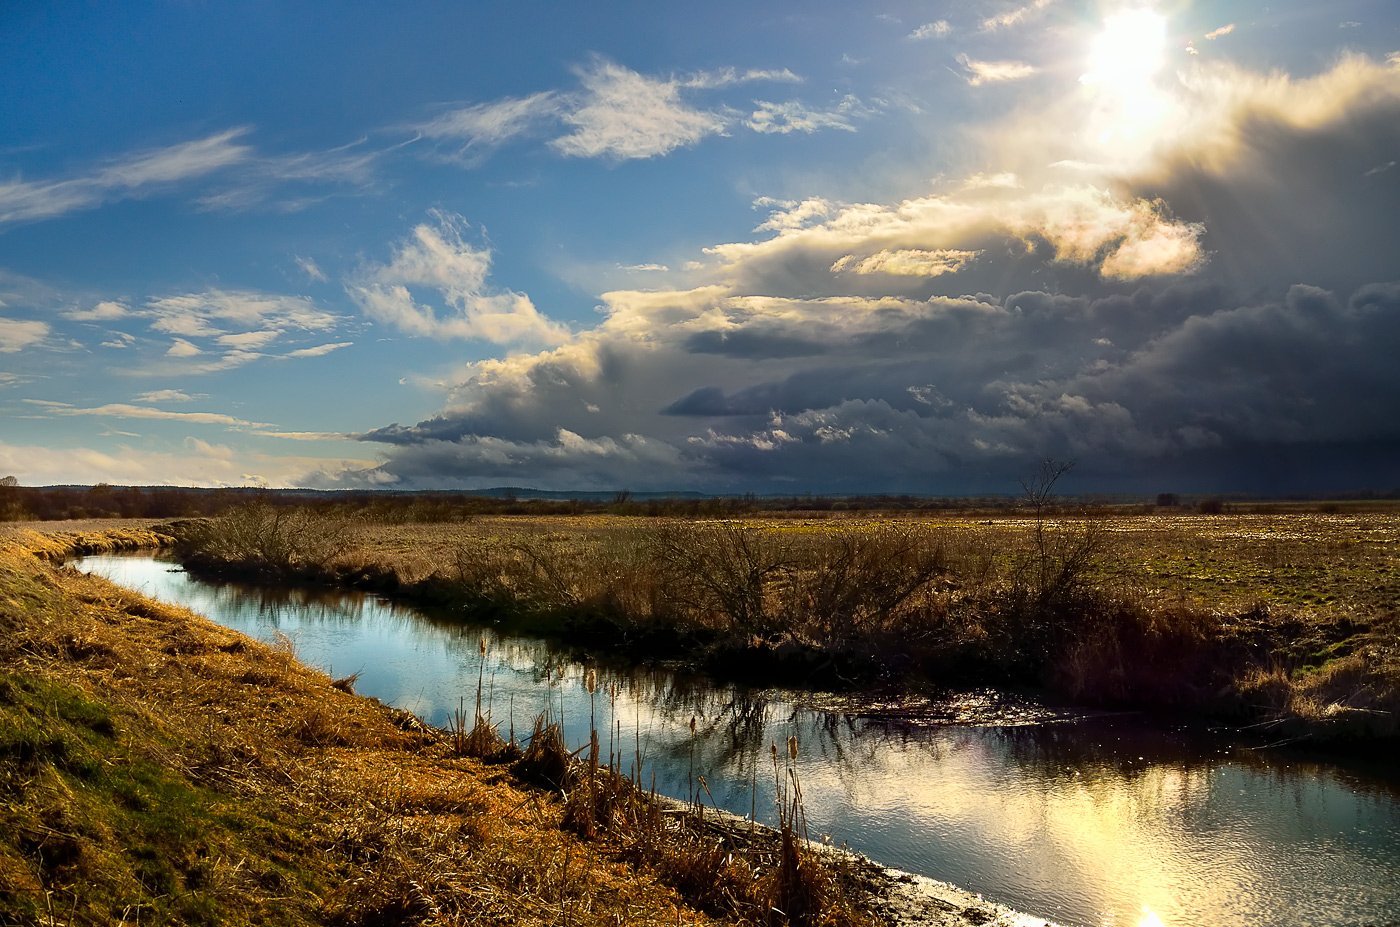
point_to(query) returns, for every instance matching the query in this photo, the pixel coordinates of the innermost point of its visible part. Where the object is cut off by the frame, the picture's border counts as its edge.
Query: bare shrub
(720, 573)
(857, 580)
(274, 540)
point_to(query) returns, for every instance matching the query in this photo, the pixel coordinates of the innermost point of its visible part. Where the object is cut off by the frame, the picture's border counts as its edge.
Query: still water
(1094, 821)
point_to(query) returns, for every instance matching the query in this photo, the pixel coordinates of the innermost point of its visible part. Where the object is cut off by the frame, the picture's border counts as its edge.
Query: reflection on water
(1090, 821)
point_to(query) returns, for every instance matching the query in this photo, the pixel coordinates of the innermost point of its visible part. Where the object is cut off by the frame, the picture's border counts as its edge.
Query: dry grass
(1161, 609)
(155, 767)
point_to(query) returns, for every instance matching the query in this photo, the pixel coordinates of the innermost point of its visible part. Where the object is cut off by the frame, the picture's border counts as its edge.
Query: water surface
(1096, 821)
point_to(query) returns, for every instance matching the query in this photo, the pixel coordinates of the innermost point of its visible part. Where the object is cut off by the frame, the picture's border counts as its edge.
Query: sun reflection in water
(1149, 919)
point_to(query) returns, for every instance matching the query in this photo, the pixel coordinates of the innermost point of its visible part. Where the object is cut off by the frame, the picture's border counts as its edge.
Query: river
(1092, 820)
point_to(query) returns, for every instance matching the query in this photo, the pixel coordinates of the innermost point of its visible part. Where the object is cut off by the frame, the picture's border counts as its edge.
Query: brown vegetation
(157, 768)
(1178, 610)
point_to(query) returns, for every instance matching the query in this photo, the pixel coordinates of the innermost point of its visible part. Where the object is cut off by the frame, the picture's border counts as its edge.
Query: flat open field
(1310, 564)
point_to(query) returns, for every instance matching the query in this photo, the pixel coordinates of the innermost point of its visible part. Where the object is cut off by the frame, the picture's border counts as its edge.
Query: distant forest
(48, 503)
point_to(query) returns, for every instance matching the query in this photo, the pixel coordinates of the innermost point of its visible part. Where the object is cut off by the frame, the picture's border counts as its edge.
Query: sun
(1129, 107)
(1130, 49)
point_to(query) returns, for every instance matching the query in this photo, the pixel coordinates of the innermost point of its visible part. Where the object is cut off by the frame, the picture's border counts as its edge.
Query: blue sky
(782, 247)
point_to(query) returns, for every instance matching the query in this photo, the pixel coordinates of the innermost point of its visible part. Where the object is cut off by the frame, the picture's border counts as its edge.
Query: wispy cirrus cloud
(619, 114)
(127, 411)
(168, 395)
(938, 29)
(125, 178)
(624, 115)
(994, 72)
(1016, 15)
(792, 116)
(482, 126)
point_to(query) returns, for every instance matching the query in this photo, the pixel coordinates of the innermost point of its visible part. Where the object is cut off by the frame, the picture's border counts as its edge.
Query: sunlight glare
(1149, 919)
(1125, 59)
(1130, 50)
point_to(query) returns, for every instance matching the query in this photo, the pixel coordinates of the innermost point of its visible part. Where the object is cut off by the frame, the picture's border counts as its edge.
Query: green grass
(110, 832)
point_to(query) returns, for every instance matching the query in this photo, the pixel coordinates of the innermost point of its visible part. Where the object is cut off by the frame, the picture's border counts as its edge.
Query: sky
(785, 247)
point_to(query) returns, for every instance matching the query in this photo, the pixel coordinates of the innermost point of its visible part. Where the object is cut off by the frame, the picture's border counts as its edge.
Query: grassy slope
(157, 768)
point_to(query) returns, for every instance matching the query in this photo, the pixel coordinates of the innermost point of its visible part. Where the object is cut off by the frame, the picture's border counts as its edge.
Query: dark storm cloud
(1228, 319)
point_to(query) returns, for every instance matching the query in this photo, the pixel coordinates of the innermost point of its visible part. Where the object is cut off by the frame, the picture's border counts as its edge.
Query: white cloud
(792, 116)
(168, 395)
(907, 262)
(104, 311)
(439, 257)
(494, 123)
(320, 350)
(994, 72)
(1016, 15)
(140, 465)
(790, 214)
(728, 77)
(128, 411)
(625, 115)
(17, 334)
(312, 270)
(935, 30)
(1222, 31)
(266, 317)
(249, 340)
(22, 200)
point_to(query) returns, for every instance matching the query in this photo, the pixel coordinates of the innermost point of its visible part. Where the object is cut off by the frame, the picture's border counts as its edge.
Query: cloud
(17, 334)
(125, 410)
(168, 395)
(312, 270)
(728, 77)
(248, 340)
(625, 115)
(1167, 320)
(256, 181)
(792, 116)
(906, 262)
(258, 320)
(239, 307)
(618, 114)
(486, 125)
(438, 257)
(994, 72)
(194, 464)
(937, 29)
(108, 310)
(1219, 33)
(1016, 16)
(320, 350)
(131, 176)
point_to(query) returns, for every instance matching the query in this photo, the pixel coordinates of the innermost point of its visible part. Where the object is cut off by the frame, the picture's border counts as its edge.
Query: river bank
(1286, 622)
(157, 765)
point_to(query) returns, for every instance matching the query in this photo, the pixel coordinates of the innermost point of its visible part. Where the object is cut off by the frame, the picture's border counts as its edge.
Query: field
(1282, 618)
(156, 768)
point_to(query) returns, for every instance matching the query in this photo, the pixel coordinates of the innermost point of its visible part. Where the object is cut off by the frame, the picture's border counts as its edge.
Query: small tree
(10, 508)
(1051, 577)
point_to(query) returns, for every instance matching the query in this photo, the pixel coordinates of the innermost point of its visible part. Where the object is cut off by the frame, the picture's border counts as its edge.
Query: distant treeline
(48, 503)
